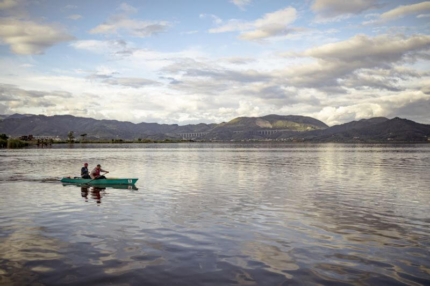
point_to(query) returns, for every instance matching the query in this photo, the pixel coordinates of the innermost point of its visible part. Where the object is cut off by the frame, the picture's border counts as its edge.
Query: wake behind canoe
(100, 182)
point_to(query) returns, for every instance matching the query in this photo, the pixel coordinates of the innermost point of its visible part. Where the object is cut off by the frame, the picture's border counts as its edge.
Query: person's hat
(98, 165)
(86, 164)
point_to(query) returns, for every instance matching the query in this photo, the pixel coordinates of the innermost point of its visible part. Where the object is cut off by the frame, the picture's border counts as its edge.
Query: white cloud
(423, 16)
(270, 25)
(338, 60)
(327, 10)
(116, 48)
(8, 4)
(241, 3)
(116, 24)
(136, 28)
(402, 11)
(74, 17)
(370, 50)
(215, 19)
(131, 82)
(189, 32)
(27, 37)
(127, 8)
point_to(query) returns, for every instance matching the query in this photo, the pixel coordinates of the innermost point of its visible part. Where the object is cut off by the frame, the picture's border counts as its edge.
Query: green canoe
(99, 182)
(102, 186)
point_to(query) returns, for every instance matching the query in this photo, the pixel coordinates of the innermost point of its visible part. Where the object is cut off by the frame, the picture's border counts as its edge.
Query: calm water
(218, 214)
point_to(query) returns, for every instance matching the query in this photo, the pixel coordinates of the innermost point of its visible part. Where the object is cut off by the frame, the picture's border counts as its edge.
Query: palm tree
(70, 136)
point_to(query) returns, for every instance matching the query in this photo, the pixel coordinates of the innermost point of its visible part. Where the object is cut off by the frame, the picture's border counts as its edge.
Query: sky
(192, 61)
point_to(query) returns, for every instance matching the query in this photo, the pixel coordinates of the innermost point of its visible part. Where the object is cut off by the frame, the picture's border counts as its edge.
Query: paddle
(94, 179)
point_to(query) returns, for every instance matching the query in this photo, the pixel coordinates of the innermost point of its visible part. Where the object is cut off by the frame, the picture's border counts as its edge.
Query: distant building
(46, 137)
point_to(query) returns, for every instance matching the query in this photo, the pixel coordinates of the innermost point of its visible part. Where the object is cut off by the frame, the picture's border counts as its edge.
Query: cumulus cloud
(131, 82)
(327, 10)
(14, 97)
(270, 25)
(195, 69)
(241, 3)
(127, 8)
(115, 48)
(402, 11)
(122, 23)
(238, 60)
(134, 28)
(338, 60)
(27, 37)
(8, 4)
(423, 16)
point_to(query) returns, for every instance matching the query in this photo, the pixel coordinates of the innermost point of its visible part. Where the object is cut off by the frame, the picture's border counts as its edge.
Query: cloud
(131, 82)
(69, 6)
(238, 60)
(327, 10)
(241, 3)
(215, 19)
(115, 48)
(339, 60)
(27, 37)
(189, 32)
(136, 28)
(127, 8)
(402, 11)
(423, 16)
(102, 72)
(15, 97)
(8, 4)
(270, 25)
(370, 51)
(74, 17)
(195, 69)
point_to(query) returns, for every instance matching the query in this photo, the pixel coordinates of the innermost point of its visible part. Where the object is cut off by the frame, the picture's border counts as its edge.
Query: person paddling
(95, 173)
(84, 172)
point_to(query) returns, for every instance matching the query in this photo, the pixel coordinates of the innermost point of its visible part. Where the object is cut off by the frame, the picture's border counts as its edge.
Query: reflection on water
(218, 214)
(96, 193)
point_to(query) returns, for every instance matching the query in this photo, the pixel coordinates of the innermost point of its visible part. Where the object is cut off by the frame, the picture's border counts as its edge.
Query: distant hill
(270, 127)
(60, 125)
(289, 122)
(394, 130)
(16, 115)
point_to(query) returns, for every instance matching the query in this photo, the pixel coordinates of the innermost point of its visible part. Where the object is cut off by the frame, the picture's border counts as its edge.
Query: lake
(218, 214)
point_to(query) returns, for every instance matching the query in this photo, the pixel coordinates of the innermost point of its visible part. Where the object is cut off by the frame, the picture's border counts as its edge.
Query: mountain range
(270, 127)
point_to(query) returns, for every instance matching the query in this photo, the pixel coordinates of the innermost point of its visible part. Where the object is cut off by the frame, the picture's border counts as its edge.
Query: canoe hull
(99, 186)
(100, 182)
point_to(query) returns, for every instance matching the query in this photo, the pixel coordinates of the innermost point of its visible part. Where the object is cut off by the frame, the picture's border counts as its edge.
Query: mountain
(16, 115)
(257, 128)
(394, 130)
(289, 122)
(60, 125)
(270, 127)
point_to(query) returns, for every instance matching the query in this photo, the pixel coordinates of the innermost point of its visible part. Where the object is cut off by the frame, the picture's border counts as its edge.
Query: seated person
(84, 172)
(95, 173)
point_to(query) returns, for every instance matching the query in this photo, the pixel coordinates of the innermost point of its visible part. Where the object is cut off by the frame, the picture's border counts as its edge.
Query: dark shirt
(84, 171)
